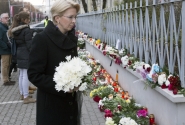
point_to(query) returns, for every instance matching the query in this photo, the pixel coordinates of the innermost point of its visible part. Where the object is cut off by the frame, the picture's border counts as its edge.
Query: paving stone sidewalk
(14, 112)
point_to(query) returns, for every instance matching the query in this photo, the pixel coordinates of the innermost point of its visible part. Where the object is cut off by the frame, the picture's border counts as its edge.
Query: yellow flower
(128, 101)
(98, 41)
(91, 94)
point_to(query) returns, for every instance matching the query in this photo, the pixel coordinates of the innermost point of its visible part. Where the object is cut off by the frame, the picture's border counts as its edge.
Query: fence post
(183, 46)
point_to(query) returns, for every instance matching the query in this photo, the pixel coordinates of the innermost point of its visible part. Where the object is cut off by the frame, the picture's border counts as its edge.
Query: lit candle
(126, 95)
(152, 119)
(117, 76)
(119, 88)
(116, 89)
(122, 96)
(108, 78)
(114, 84)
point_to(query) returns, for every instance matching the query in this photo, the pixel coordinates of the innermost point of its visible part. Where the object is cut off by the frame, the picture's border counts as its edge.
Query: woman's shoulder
(40, 37)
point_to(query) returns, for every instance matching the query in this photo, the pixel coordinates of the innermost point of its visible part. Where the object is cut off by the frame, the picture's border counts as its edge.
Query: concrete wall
(168, 109)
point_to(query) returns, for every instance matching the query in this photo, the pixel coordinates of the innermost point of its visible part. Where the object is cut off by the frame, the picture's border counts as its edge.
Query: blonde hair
(61, 5)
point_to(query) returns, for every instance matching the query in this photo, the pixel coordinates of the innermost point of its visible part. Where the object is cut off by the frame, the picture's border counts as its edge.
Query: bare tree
(94, 5)
(84, 6)
(104, 4)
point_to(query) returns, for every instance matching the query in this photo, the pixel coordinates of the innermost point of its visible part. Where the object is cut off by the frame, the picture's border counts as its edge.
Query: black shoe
(9, 83)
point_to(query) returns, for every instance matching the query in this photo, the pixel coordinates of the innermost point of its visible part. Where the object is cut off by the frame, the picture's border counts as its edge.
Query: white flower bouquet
(71, 74)
(127, 121)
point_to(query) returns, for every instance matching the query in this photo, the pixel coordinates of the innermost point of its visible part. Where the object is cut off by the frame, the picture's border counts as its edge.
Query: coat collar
(19, 28)
(4, 25)
(68, 41)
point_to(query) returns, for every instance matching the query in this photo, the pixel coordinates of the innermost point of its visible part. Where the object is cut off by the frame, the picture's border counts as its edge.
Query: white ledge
(165, 92)
(179, 98)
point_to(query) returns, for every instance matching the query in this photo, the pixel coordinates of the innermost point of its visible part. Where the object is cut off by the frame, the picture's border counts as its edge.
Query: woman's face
(27, 21)
(66, 21)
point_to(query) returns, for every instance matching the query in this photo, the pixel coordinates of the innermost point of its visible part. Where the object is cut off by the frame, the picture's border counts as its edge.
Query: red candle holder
(116, 89)
(152, 119)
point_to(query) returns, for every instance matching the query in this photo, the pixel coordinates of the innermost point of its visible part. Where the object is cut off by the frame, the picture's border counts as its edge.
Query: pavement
(14, 112)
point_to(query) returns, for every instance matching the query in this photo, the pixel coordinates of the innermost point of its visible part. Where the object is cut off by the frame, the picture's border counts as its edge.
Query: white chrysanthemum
(121, 51)
(161, 79)
(137, 105)
(109, 48)
(83, 86)
(70, 74)
(124, 60)
(137, 64)
(109, 121)
(109, 86)
(100, 103)
(127, 121)
(167, 81)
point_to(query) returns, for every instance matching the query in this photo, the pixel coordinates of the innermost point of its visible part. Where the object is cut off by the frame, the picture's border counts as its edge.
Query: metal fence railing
(154, 32)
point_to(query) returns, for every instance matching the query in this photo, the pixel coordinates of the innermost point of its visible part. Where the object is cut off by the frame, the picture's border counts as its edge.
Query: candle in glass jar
(108, 78)
(152, 119)
(117, 76)
(116, 89)
(119, 88)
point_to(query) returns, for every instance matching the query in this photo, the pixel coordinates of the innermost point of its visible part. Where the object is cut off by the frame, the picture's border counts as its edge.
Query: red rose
(164, 86)
(104, 53)
(96, 98)
(170, 87)
(119, 107)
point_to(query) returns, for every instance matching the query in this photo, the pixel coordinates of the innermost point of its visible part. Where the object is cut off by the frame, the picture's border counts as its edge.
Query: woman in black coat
(49, 48)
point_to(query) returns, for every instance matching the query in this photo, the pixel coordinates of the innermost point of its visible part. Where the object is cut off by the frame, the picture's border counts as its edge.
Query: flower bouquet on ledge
(81, 43)
(118, 108)
(72, 74)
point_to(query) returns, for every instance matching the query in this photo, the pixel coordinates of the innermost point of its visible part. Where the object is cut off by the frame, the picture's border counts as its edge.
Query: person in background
(5, 51)
(22, 34)
(49, 48)
(46, 21)
(31, 88)
(13, 64)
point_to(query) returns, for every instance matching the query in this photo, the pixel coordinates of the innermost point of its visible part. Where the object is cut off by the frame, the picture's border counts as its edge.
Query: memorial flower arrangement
(102, 91)
(71, 74)
(152, 78)
(114, 104)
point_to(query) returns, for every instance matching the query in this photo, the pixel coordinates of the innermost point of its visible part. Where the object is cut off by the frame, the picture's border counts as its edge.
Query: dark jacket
(49, 48)
(23, 36)
(4, 49)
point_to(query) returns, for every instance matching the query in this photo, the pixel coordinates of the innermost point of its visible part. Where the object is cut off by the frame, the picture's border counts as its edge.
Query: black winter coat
(4, 49)
(23, 36)
(49, 48)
